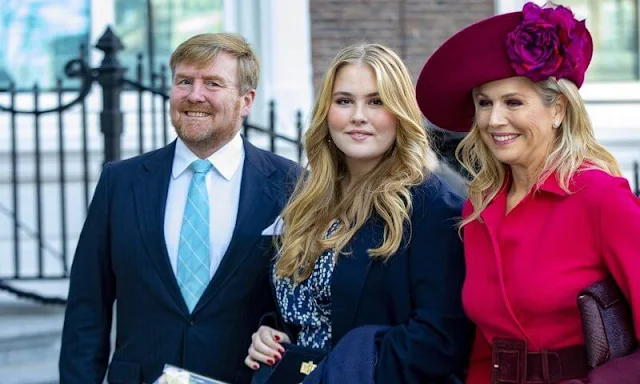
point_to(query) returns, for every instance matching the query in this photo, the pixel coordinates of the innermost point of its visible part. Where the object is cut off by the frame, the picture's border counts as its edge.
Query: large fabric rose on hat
(548, 42)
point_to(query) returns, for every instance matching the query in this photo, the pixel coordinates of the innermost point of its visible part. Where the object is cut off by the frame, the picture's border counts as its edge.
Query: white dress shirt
(223, 187)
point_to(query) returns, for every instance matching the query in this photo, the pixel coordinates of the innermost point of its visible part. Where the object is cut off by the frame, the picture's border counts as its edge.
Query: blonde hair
(318, 199)
(202, 50)
(575, 149)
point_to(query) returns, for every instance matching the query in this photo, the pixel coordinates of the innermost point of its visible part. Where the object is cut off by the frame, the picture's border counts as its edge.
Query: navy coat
(417, 292)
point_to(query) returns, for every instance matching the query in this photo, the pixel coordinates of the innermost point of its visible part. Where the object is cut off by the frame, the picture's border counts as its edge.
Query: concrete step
(30, 336)
(43, 372)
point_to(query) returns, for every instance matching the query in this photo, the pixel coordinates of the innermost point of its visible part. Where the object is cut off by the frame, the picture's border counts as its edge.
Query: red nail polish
(255, 367)
(281, 350)
(270, 361)
(276, 337)
(277, 357)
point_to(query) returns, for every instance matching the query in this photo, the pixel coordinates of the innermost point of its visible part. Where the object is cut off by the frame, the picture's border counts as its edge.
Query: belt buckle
(509, 361)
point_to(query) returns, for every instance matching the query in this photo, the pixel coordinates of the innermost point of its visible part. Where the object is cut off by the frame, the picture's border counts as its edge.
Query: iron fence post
(110, 77)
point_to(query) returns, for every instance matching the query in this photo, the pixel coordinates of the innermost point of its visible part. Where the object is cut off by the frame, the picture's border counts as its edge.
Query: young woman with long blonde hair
(369, 235)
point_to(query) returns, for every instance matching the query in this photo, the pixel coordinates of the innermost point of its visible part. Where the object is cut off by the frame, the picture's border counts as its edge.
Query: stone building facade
(413, 28)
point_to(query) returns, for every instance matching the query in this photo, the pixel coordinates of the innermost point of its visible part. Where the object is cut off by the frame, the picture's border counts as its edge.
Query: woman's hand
(265, 347)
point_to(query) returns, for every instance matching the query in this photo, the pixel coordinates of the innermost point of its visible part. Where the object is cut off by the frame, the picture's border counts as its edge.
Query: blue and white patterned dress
(308, 304)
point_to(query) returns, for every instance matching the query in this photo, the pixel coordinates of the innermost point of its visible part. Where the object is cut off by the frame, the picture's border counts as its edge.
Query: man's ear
(247, 102)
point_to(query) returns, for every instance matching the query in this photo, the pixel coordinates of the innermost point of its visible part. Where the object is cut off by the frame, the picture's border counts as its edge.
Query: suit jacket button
(192, 322)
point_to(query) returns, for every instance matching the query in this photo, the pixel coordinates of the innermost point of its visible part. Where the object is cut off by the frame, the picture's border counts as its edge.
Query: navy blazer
(122, 256)
(417, 292)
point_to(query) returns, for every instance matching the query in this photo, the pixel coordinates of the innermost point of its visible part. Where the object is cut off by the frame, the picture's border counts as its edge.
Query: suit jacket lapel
(349, 276)
(257, 202)
(150, 193)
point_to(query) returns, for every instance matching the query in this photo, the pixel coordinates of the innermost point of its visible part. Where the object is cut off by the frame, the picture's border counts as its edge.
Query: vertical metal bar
(163, 84)
(14, 183)
(140, 74)
(272, 126)
(36, 94)
(636, 177)
(154, 134)
(63, 182)
(299, 134)
(85, 141)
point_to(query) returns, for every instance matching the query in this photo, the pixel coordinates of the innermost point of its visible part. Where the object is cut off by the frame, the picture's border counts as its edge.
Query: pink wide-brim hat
(472, 57)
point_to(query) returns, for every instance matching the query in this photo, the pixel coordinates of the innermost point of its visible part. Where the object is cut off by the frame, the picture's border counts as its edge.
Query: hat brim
(474, 56)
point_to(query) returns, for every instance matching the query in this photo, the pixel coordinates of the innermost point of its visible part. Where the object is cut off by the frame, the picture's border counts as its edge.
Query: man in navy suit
(179, 247)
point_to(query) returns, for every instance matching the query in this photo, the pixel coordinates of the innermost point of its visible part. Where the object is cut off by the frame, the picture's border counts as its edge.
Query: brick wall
(413, 28)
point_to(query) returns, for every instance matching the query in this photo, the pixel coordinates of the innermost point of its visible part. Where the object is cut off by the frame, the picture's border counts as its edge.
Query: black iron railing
(48, 242)
(33, 240)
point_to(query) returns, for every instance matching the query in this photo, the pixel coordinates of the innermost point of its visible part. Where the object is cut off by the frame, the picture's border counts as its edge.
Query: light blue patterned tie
(193, 249)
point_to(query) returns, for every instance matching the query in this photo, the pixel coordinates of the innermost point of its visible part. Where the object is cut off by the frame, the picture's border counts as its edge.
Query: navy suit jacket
(121, 255)
(417, 292)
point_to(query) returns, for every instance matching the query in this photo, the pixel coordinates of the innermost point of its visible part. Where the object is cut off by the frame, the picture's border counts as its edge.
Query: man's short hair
(202, 50)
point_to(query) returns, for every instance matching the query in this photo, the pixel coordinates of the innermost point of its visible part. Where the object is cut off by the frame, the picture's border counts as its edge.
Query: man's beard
(212, 136)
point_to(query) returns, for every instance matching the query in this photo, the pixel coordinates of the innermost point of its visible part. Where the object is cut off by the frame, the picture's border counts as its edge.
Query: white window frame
(279, 31)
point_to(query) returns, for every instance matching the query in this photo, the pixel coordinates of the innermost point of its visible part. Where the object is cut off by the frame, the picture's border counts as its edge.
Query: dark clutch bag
(607, 322)
(296, 364)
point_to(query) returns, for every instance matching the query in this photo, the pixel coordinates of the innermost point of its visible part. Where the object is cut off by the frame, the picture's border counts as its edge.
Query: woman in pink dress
(548, 213)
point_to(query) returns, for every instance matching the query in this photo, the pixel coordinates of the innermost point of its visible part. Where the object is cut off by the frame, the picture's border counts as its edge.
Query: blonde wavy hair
(575, 149)
(318, 198)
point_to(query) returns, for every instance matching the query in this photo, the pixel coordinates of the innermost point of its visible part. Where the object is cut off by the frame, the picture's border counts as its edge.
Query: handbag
(296, 364)
(607, 322)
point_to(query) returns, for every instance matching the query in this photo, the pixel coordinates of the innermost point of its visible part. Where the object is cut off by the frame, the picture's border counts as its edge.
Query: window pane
(173, 22)
(614, 28)
(38, 37)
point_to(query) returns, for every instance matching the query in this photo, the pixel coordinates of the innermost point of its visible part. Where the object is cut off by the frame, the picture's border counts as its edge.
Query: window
(614, 28)
(172, 22)
(38, 37)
